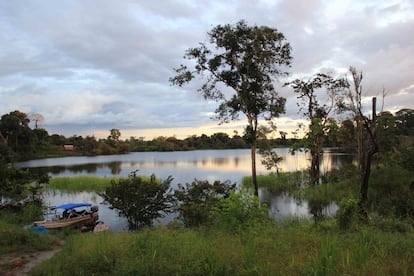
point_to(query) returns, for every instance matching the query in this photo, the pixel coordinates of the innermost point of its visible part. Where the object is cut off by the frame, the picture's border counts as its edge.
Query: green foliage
(407, 159)
(392, 224)
(326, 262)
(404, 120)
(140, 200)
(14, 237)
(15, 132)
(22, 215)
(347, 215)
(296, 248)
(270, 159)
(392, 190)
(196, 200)
(319, 114)
(17, 184)
(239, 211)
(12, 181)
(287, 182)
(79, 183)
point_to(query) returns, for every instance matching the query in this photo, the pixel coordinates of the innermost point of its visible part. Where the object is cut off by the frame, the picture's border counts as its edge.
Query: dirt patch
(20, 263)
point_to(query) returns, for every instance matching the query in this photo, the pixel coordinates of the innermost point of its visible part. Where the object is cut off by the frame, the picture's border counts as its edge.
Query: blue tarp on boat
(39, 229)
(72, 205)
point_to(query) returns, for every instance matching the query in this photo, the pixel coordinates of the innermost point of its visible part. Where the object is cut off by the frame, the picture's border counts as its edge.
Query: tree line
(20, 142)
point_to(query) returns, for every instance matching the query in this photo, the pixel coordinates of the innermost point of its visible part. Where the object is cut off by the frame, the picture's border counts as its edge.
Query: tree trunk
(363, 200)
(254, 177)
(314, 169)
(361, 152)
(314, 173)
(370, 148)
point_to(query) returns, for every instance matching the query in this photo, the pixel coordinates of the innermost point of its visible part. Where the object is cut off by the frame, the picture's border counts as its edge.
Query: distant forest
(20, 142)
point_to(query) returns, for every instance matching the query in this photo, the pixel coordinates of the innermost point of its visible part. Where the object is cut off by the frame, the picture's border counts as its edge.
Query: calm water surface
(184, 167)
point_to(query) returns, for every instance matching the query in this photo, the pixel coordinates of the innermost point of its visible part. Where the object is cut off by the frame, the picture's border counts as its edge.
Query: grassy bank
(295, 248)
(79, 183)
(82, 183)
(232, 243)
(277, 183)
(17, 242)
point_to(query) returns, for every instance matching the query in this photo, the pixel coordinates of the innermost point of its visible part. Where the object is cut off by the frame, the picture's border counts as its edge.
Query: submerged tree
(319, 113)
(139, 199)
(196, 200)
(246, 59)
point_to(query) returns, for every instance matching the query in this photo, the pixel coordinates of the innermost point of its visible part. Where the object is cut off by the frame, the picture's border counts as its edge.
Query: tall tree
(246, 59)
(114, 135)
(318, 112)
(15, 131)
(405, 121)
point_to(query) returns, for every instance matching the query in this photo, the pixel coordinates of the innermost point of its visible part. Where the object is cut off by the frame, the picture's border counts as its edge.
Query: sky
(88, 66)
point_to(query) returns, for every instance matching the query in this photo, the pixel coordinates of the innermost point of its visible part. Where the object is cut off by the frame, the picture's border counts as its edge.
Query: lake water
(184, 167)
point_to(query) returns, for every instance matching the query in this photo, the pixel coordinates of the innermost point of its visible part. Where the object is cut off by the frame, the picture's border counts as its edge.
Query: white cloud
(89, 66)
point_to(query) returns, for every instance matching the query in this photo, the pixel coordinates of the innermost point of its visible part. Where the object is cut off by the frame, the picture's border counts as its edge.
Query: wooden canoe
(83, 220)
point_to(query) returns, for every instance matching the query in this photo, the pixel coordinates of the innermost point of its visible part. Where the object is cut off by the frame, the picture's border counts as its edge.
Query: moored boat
(75, 215)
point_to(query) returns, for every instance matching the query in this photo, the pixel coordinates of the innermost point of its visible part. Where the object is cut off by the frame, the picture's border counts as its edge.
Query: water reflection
(184, 167)
(283, 205)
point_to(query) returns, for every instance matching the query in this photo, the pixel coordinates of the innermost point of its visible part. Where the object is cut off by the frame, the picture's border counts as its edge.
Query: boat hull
(76, 222)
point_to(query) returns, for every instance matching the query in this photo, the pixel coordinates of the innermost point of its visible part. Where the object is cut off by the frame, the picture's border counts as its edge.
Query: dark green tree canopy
(246, 59)
(139, 199)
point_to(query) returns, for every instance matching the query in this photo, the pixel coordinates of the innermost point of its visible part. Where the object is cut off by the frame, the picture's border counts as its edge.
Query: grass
(79, 183)
(278, 183)
(82, 183)
(17, 241)
(341, 185)
(295, 248)
(15, 237)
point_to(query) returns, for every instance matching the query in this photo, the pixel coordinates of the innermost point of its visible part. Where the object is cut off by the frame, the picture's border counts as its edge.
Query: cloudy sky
(89, 66)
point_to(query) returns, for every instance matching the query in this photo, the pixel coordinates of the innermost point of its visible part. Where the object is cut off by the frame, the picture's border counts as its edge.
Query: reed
(288, 182)
(79, 183)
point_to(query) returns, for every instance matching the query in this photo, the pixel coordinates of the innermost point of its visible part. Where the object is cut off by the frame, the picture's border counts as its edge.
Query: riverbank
(297, 247)
(259, 246)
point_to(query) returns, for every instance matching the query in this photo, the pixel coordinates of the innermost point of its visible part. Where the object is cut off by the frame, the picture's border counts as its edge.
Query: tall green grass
(296, 248)
(17, 239)
(82, 183)
(79, 183)
(278, 183)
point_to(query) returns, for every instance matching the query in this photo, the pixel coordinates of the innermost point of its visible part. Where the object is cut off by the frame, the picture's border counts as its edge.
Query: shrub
(239, 210)
(196, 200)
(347, 215)
(140, 200)
(392, 191)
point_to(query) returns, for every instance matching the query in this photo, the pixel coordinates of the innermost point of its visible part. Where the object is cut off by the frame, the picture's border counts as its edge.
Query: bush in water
(140, 200)
(196, 200)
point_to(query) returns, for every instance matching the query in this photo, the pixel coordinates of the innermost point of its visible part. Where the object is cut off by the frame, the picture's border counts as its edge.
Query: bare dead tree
(367, 144)
(37, 118)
